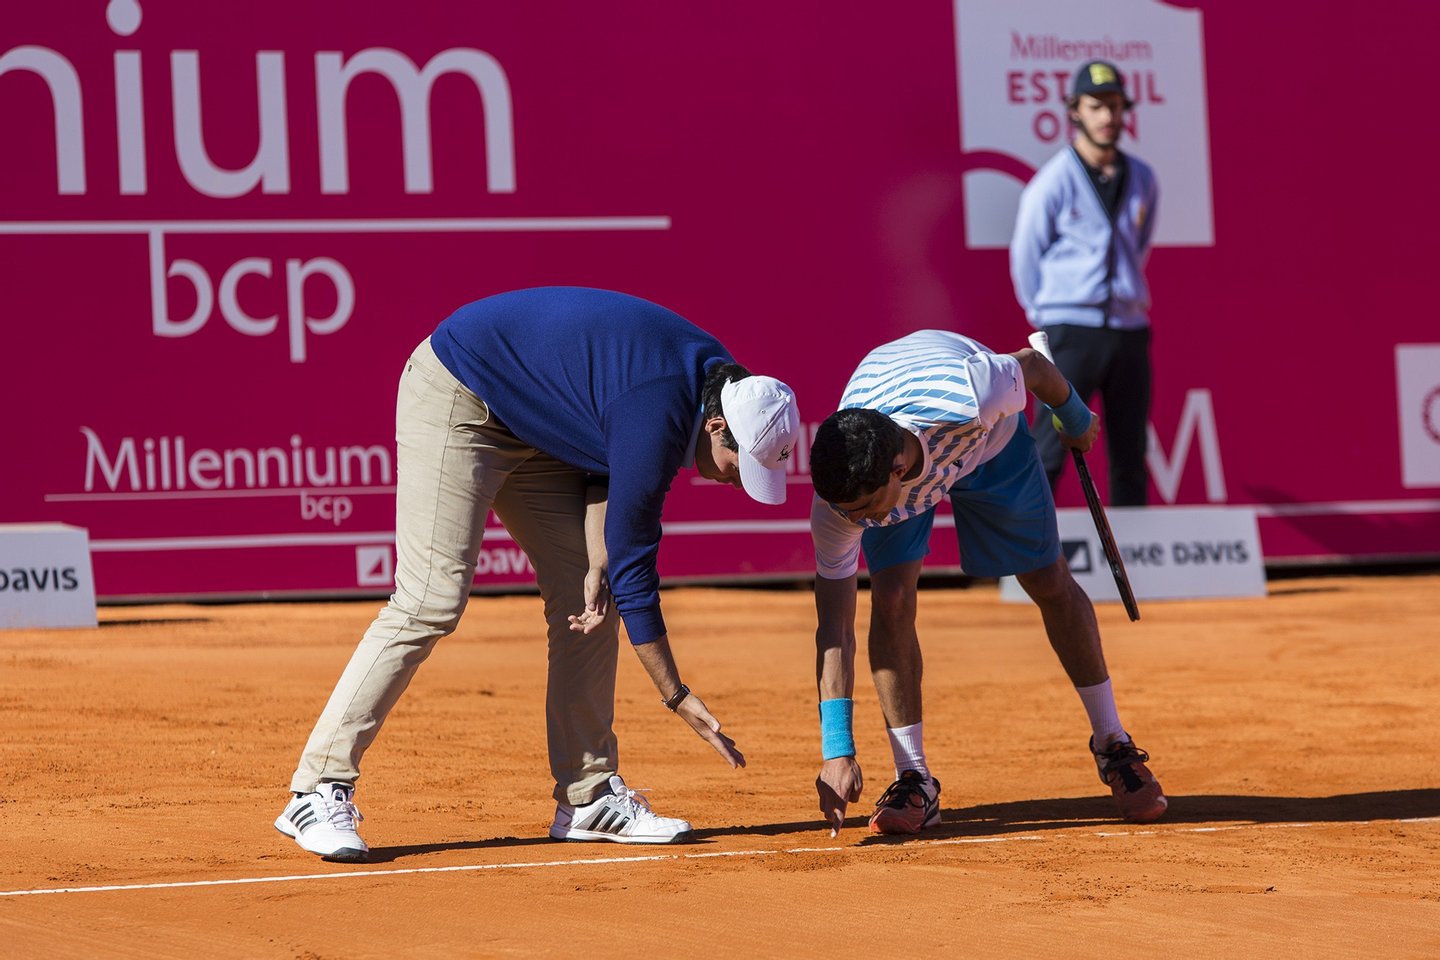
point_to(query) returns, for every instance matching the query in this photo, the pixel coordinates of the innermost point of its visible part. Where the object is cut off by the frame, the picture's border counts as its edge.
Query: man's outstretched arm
(840, 781)
(659, 663)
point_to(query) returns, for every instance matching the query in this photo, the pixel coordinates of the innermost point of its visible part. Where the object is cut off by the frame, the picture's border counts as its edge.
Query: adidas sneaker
(620, 816)
(323, 823)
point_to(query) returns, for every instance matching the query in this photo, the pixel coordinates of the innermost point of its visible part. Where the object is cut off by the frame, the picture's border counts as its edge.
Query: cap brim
(761, 482)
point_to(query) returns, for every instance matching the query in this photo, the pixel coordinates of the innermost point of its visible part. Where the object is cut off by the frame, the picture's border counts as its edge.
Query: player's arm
(597, 578)
(1077, 425)
(835, 638)
(837, 543)
(840, 780)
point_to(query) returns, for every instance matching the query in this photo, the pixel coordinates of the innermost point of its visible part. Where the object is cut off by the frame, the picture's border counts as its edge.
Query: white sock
(908, 746)
(1099, 703)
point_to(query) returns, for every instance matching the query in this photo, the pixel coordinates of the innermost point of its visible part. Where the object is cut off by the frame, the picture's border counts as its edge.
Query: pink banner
(224, 228)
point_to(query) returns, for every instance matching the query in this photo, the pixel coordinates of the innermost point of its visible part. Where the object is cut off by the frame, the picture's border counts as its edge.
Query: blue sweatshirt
(605, 382)
(1068, 261)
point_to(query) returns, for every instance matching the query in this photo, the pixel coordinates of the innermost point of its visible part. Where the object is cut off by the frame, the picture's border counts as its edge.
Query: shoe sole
(1151, 815)
(343, 855)
(900, 829)
(592, 836)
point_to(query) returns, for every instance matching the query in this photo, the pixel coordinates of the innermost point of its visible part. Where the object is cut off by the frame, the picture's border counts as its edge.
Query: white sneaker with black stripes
(323, 823)
(620, 816)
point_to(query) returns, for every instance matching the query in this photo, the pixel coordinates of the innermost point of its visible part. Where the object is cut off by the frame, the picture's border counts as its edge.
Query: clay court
(144, 762)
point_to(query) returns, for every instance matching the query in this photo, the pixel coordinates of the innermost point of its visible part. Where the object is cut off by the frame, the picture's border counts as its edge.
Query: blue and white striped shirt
(956, 396)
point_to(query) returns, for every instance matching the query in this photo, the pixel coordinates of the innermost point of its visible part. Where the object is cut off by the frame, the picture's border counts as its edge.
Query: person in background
(1077, 260)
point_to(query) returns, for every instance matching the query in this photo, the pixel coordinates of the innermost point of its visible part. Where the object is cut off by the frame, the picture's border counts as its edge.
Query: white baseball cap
(762, 417)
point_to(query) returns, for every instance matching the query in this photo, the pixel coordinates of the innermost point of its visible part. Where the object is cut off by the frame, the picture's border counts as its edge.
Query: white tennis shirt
(956, 396)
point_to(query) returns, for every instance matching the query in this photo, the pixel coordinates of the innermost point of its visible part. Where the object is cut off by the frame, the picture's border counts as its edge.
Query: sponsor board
(223, 236)
(1017, 62)
(1170, 553)
(45, 576)
(1417, 376)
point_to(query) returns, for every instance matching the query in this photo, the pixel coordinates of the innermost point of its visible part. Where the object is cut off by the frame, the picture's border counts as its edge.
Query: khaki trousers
(456, 463)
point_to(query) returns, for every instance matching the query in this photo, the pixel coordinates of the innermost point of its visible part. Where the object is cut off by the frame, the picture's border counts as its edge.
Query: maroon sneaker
(909, 805)
(1137, 792)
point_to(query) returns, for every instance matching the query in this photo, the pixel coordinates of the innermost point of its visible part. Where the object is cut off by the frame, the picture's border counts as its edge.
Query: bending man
(930, 416)
(519, 402)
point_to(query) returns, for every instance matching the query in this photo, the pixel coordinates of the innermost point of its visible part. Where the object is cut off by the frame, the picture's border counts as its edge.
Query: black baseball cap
(1099, 76)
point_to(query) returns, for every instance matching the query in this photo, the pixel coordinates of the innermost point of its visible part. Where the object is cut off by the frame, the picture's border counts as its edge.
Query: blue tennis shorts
(1004, 519)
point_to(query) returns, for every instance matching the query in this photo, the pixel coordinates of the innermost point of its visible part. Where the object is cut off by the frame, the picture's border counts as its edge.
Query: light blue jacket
(1069, 263)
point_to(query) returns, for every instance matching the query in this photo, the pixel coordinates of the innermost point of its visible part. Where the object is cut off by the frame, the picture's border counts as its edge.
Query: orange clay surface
(1296, 736)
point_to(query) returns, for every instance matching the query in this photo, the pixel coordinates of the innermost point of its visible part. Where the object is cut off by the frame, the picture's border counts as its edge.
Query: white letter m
(1198, 413)
(412, 87)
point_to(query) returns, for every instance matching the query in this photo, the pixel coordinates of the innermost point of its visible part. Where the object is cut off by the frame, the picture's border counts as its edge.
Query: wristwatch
(676, 698)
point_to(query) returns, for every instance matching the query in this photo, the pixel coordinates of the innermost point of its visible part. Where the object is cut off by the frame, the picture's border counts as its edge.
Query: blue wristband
(836, 737)
(1073, 415)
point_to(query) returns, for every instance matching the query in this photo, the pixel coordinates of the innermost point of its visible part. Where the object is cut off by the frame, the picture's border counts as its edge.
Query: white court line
(594, 861)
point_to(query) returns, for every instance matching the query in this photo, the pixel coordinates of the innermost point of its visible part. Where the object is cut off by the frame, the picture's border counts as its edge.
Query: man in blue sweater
(1077, 259)
(527, 403)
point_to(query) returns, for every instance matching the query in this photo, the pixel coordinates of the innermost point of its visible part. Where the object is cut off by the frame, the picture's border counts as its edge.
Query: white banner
(1170, 553)
(1417, 380)
(45, 576)
(1016, 63)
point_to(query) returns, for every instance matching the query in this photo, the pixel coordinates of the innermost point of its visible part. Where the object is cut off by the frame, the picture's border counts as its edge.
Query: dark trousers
(1117, 364)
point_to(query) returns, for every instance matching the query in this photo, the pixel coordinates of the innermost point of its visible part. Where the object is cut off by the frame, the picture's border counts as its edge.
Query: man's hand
(1086, 440)
(839, 784)
(597, 602)
(692, 708)
(655, 657)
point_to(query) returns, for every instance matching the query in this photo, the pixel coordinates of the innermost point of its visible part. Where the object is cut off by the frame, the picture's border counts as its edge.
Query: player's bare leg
(1069, 622)
(1075, 637)
(896, 665)
(912, 802)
